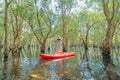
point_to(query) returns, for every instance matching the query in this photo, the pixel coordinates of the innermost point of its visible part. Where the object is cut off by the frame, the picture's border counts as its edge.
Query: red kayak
(59, 55)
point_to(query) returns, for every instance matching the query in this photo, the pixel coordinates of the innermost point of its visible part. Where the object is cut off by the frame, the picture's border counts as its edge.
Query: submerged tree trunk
(43, 48)
(86, 55)
(107, 45)
(64, 35)
(6, 32)
(112, 22)
(17, 28)
(64, 29)
(86, 40)
(6, 51)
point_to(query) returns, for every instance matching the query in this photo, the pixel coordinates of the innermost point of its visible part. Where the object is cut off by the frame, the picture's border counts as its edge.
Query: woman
(59, 45)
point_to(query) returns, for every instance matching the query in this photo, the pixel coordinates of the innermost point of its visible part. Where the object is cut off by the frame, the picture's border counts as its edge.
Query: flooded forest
(90, 28)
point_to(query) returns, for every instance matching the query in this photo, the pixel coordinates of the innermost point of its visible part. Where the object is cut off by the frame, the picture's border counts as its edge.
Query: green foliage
(1, 21)
(1, 26)
(65, 6)
(72, 33)
(47, 16)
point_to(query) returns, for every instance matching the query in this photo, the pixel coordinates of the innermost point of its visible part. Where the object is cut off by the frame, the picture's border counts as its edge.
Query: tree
(65, 7)
(39, 20)
(7, 3)
(110, 9)
(86, 21)
(16, 21)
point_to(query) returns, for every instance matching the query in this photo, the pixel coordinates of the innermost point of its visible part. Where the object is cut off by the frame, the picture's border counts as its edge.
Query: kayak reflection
(56, 67)
(57, 70)
(47, 61)
(52, 69)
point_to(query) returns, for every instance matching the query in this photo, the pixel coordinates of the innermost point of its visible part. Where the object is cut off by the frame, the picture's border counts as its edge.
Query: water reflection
(11, 70)
(52, 71)
(110, 67)
(111, 73)
(57, 70)
(85, 69)
(5, 68)
(75, 68)
(15, 70)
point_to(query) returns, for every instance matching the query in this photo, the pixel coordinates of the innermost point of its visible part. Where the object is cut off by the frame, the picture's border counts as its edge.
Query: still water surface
(72, 68)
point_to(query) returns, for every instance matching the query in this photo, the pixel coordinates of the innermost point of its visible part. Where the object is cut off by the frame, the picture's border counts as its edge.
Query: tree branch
(106, 9)
(113, 9)
(38, 20)
(9, 2)
(34, 32)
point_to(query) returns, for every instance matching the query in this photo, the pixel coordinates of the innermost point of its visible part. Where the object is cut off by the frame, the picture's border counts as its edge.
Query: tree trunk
(6, 32)
(43, 48)
(64, 33)
(107, 45)
(64, 41)
(42, 38)
(16, 27)
(111, 26)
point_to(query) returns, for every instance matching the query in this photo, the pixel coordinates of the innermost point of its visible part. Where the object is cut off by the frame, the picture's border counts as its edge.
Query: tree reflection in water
(86, 72)
(52, 71)
(5, 68)
(15, 71)
(62, 69)
(110, 69)
(58, 71)
(11, 71)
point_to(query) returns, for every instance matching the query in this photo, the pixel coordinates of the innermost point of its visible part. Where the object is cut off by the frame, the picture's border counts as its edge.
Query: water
(71, 68)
